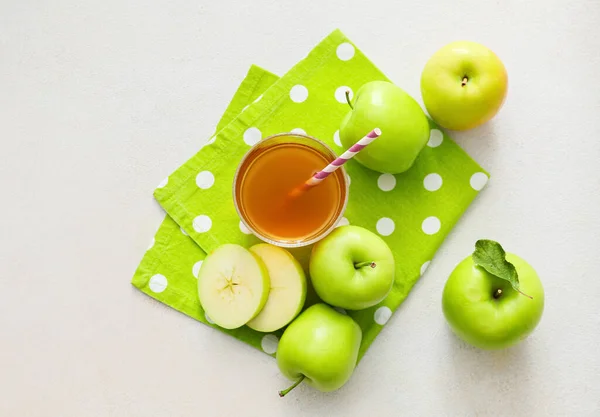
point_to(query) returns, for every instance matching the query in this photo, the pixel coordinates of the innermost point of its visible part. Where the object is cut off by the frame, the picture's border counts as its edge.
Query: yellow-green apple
(404, 127)
(492, 299)
(352, 268)
(320, 348)
(463, 85)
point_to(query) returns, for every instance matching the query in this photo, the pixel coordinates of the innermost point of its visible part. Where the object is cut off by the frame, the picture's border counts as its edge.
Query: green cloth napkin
(413, 211)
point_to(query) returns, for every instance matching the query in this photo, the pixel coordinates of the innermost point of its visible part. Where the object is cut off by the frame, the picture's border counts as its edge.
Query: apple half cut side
(233, 286)
(288, 288)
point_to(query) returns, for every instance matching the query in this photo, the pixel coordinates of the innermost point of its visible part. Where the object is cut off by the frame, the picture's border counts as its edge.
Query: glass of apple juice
(266, 176)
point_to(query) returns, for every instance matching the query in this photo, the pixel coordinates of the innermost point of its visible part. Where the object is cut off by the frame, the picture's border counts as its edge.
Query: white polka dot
(158, 283)
(478, 181)
(269, 343)
(382, 315)
(202, 223)
(258, 99)
(298, 93)
(208, 319)
(432, 182)
(183, 231)
(386, 182)
(244, 229)
(424, 267)
(343, 222)
(435, 138)
(340, 310)
(151, 244)
(431, 225)
(336, 138)
(196, 269)
(163, 183)
(385, 226)
(252, 136)
(298, 131)
(340, 94)
(345, 51)
(205, 180)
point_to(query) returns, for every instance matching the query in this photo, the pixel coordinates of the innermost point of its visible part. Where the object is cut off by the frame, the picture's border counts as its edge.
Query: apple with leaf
(493, 299)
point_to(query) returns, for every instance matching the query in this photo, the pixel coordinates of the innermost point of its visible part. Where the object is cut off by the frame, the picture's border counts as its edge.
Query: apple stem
(498, 293)
(348, 99)
(464, 81)
(361, 264)
(294, 385)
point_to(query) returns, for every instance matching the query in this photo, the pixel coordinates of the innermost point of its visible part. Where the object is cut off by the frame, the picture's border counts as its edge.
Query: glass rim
(290, 243)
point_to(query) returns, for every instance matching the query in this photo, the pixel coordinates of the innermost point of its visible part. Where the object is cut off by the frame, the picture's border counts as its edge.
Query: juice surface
(271, 175)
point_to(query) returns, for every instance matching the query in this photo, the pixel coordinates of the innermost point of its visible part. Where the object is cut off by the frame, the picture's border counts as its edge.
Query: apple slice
(288, 288)
(233, 286)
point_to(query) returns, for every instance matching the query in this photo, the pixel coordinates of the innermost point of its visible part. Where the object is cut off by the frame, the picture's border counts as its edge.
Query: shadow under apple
(488, 382)
(480, 142)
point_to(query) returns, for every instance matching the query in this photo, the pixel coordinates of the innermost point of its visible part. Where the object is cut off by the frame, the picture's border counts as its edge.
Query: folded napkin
(413, 211)
(173, 254)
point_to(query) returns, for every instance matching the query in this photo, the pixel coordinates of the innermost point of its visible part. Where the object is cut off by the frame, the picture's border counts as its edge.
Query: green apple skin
(459, 105)
(336, 275)
(484, 321)
(404, 127)
(321, 345)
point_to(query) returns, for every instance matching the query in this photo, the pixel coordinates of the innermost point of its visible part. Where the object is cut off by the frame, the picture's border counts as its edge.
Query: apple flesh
(287, 288)
(485, 311)
(463, 85)
(404, 126)
(319, 348)
(352, 268)
(233, 285)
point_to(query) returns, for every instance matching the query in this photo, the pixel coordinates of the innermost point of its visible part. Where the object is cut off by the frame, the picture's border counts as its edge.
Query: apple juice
(267, 176)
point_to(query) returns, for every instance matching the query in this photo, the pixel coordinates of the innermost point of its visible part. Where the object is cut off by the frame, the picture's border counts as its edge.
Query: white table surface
(99, 100)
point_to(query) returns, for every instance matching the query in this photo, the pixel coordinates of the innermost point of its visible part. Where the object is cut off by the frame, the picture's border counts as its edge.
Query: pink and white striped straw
(341, 160)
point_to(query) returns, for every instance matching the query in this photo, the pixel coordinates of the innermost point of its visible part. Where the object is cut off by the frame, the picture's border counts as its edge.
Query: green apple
(493, 300)
(288, 288)
(463, 85)
(320, 348)
(352, 268)
(404, 126)
(233, 285)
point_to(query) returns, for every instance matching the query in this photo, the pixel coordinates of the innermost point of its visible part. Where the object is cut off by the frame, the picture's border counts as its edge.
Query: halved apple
(288, 288)
(233, 285)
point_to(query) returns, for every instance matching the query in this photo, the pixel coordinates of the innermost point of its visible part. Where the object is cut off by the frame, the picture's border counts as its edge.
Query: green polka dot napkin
(413, 211)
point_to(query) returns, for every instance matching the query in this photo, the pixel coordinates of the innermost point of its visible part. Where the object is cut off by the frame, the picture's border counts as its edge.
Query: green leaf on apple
(490, 256)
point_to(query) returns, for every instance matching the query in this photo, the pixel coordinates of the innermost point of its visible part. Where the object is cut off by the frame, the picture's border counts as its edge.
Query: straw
(341, 160)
